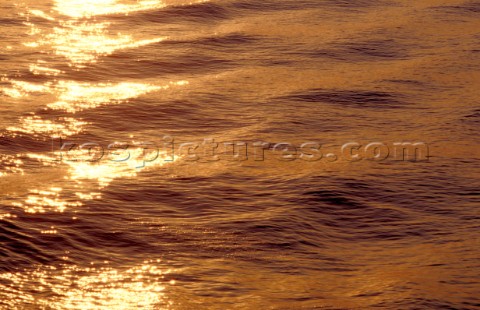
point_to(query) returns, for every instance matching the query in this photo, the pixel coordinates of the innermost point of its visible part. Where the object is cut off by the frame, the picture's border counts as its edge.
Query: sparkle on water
(89, 8)
(36, 126)
(81, 41)
(93, 288)
(80, 96)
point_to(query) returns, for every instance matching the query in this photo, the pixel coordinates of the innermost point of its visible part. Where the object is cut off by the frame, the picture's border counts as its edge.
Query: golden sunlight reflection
(74, 96)
(40, 69)
(106, 170)
(88, 177)
(99, 288)
(83, 42)
(40, 13)
(51, 231)
(89, 8)
(39, 201)
(36, 126)
(10, 164)
(80, 96)
(6, 216)
(21, 89)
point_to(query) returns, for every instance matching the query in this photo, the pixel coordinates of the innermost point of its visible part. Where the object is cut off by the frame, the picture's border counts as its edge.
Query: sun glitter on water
(91, 288)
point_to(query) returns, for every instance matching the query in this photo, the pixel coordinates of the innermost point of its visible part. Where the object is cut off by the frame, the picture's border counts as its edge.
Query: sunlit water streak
(80, 96)
(36, 126)
(74, 96)
(82, 42)
(95, 287)
(89, 8)
(85, 176)
(10, 164)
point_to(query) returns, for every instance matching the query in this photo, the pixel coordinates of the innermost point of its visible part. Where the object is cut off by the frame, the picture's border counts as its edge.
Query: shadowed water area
(239, 233)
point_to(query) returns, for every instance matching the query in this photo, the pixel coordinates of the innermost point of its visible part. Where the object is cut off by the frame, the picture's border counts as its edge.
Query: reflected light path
(89, 8)
(99, 288)
(10, 164)
(36, 126)
(107, 170)
(41, 200)
(80, 96)
(83, 178)
(21, 89)
(76, 36)
(83, 41)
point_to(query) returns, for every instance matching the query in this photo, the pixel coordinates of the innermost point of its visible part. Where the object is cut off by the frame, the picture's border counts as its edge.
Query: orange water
(265, 229)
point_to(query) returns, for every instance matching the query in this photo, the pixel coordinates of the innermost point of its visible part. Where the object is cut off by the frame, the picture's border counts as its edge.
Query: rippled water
(239, 233)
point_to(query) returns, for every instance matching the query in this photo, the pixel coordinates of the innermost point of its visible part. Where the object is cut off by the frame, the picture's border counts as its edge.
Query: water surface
(226, 234)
